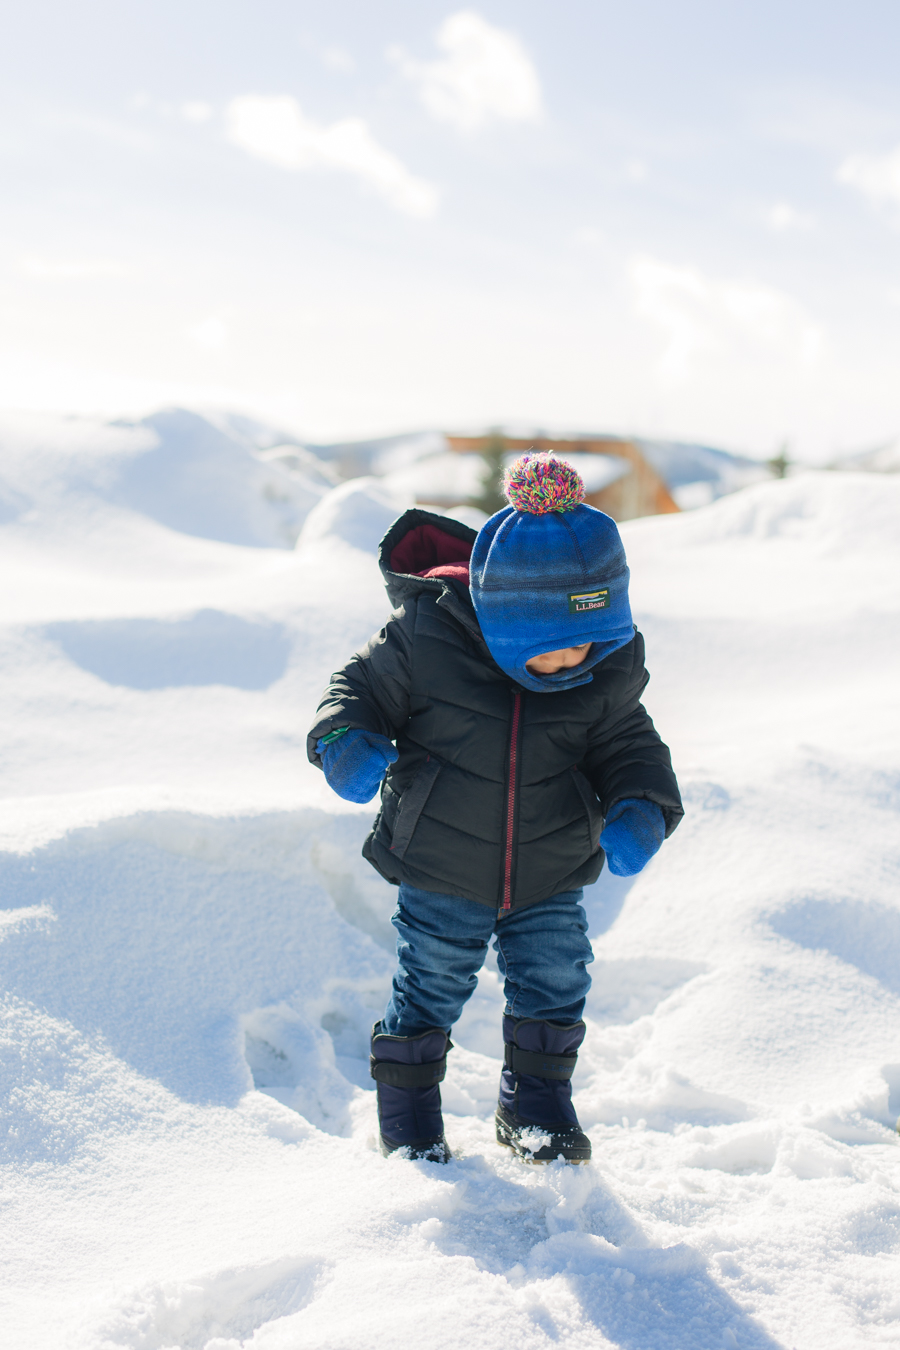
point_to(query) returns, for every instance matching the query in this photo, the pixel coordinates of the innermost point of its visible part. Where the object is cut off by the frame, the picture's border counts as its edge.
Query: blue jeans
(442, 940)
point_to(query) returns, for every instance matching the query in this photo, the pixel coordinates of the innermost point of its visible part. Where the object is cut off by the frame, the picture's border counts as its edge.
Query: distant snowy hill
(204, 476)
(883, 459)
(698, 474)
(421, 464)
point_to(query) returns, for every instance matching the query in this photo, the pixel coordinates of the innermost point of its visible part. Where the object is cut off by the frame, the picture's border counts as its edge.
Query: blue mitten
(355, 762)
(634, 831)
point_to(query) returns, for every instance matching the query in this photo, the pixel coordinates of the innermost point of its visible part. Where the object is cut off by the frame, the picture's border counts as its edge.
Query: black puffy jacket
(499, 794)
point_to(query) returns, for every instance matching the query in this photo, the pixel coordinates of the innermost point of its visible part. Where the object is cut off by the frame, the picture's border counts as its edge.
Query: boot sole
(531, 1161)
(506, 1139)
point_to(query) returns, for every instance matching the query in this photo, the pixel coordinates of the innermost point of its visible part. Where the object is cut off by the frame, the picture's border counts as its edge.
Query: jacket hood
(427, 554)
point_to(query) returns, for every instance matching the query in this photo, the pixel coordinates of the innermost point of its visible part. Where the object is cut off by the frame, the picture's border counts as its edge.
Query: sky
(353, 219)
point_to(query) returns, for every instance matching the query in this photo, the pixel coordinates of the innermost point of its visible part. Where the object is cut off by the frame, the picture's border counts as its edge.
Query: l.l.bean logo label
(580, 602)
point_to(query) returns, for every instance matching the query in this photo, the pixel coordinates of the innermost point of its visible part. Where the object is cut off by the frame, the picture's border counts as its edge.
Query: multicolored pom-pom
(539, 483)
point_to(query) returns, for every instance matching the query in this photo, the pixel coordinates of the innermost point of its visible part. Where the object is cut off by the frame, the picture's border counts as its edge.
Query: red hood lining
(429, 551)
(458, 570)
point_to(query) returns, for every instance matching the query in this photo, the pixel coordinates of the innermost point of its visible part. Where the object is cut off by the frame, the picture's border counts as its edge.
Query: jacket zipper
(511, 805)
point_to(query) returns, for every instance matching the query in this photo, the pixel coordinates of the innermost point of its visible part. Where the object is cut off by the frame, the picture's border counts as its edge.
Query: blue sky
(670, 219)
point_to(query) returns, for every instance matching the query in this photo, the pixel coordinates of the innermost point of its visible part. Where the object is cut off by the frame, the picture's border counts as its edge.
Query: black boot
(536, 1092)
(407, 1070)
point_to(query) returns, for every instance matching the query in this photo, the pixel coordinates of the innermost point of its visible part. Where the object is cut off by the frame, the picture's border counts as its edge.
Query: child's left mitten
(633, 833)
(355, 762)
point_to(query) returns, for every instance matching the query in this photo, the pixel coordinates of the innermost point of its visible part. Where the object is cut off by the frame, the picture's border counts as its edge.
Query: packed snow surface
(193, 950)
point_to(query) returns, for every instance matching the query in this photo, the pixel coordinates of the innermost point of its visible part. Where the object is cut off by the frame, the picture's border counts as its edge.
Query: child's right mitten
(633, 833)
(355, 762)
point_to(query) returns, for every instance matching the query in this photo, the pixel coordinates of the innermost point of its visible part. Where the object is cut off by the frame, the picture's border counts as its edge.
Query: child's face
(548, 663)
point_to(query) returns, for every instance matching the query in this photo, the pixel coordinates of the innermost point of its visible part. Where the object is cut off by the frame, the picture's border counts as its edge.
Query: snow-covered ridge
(192, 950)
(223, 477)
(881, 459)
(185, 471)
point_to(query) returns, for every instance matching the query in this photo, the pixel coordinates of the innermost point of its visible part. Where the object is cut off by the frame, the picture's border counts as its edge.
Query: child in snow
(499, 713)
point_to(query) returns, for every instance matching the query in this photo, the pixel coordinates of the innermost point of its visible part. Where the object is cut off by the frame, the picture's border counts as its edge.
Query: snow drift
(193, 951)
(185, 471)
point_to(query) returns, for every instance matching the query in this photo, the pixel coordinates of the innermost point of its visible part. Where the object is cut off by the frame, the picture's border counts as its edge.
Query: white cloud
(276, 129)
(702, 318)
(211, 333)
(487, 74)
(876, 176)
(70, 269)
(336, 58)
(782, 217)
(196, 111)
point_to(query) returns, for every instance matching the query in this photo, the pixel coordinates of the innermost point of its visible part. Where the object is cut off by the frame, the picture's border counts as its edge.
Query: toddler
(499, 713)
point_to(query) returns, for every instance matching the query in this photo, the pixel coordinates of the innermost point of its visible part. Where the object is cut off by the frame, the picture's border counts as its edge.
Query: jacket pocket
(412, 804)
(591, 807)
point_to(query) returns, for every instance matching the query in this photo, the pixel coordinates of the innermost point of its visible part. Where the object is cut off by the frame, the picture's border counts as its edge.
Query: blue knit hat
(549, 572)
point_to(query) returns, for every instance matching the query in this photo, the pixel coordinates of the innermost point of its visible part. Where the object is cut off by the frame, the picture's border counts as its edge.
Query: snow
(357, 513)
(698, 474)
(174, 467)
(883, 459)
(193, 951)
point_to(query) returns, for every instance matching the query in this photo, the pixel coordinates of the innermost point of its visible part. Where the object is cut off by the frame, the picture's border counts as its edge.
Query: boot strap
(539, 1066)
(408, 1075)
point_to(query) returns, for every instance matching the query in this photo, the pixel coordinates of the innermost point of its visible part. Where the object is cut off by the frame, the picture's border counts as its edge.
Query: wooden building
(636, 490)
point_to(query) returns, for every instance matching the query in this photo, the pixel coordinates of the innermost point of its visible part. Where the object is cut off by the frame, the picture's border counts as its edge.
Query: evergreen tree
(491, 497)
(779, 464)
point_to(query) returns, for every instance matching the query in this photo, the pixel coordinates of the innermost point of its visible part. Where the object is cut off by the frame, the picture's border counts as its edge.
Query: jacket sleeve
(372, 690)
(626, 757)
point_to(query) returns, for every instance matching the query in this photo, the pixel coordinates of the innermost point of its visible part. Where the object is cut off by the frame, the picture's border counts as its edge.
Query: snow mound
(357, 513)
(175, 467)
(196, 479)
(829, 512)
(794, 550)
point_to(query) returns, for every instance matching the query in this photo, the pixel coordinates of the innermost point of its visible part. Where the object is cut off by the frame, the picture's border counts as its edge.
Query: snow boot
(535, 1116)
(408, 1070)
